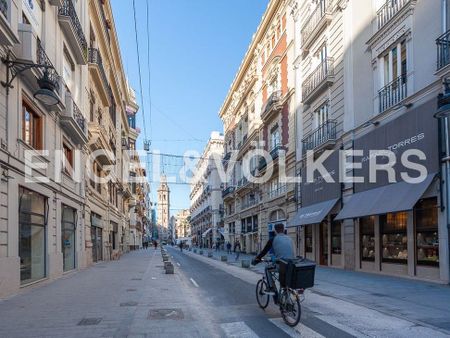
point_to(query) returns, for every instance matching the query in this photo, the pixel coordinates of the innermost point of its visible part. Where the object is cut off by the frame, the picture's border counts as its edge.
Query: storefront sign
(416, 129)
(320, 190)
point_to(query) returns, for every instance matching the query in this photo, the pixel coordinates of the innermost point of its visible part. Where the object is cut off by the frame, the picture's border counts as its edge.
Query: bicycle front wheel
(261, 297)
(290, 307)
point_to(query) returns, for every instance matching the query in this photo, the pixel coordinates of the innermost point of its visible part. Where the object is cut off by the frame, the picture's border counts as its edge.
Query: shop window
(367, 238)
(33, 211)
(68, 226)
(336, 239)
(308, 239)
(394, 238)
(427, 239)
(31, 127)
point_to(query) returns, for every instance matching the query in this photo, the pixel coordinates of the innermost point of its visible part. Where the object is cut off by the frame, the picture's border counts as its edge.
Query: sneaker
(269, 292)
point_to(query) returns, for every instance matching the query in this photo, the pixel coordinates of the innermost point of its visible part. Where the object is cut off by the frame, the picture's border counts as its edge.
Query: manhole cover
(89, 321)
(131, 290)
(173, 314)
(136, 278)
(129, 304)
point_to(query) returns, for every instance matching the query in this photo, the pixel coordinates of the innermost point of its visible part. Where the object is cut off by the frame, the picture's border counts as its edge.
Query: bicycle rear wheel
(290, 307)
(261, 297)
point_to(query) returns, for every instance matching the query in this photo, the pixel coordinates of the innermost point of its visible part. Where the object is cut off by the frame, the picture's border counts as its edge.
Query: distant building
(206, 196)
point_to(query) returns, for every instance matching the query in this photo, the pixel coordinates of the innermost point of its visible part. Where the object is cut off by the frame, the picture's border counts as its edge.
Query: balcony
(227, 191)
(99, 75)
(319, 79)
(272, 105)
(71, 25)
(249, 203)
(73, 121)
(322, 138)
(7, 35)
(316, 22)
(443, 50)
(280, 191)
(393, 93)
(388, 11)
(275, 152)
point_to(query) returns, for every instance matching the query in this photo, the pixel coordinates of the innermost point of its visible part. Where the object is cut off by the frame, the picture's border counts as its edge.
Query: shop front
(399, 226)
(97, 237)
(320, 236)
(33, 217)
(68, 237)
(249, 234)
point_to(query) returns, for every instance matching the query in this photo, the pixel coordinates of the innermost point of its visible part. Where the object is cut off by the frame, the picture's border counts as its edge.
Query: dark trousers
(268, 271)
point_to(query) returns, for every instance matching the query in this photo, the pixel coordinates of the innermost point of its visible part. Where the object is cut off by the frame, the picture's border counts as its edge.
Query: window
(367, 238)
(68, 159)
(308, 239)
(255, 223)
(427, 238)
(33, 211)
(275, 137)
(395, 64)
(336, 240)
(31, 127)
(68, 226)
(394, 239)
(133, 184)
(321, 115)
(96, 176)
(68, 70)
(132, 121)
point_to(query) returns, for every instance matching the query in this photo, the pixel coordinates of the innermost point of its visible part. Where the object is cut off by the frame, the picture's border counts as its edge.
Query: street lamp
(46, 92)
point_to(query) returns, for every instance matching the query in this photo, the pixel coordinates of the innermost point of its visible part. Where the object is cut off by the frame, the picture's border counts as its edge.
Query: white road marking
(300, 331)
(153, 277)
(178, 264)
(194, 282)
(238, 330)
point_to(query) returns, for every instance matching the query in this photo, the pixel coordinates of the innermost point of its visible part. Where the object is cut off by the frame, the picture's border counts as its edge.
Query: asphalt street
(231, 300)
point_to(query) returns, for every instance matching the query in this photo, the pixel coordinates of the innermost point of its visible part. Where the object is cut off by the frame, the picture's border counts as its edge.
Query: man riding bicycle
(283, 248)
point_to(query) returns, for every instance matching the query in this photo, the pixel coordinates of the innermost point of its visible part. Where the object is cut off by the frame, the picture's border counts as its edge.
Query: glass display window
(32, 232)
(367, 238)
(426, 232)
(394, 238)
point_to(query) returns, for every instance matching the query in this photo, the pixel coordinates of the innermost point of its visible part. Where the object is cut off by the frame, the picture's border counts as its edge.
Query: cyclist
(283, 248)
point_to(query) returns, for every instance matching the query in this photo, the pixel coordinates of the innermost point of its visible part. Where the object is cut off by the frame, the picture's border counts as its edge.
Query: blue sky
(196, 47)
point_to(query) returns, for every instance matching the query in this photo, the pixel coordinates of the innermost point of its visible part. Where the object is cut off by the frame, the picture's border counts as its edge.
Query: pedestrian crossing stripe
(299, 331)
(238, 330)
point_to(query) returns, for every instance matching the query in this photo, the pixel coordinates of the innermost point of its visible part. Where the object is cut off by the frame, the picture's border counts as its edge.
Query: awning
(389, 198)
(206, 232)
(313, 214)
(222, 232)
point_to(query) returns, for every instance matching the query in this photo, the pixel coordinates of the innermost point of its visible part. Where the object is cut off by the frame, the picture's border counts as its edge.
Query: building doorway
(323, 244)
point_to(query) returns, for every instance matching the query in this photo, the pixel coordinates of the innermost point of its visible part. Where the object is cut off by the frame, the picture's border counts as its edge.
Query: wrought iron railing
(323, 8)
(96, 58)
(443, 50)
(388, 11)
(394, 92)
(4, 7)
(262, 163)
(43, 59)
(79, 118)
(323, 71)
(249, 203)
(326, 132)
(227, 191)
(273, 98)
(278, 192)
(275, 152)
(68, 10)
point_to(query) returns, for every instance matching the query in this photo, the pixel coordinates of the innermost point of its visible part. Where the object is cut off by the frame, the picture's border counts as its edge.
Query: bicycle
(289, 300)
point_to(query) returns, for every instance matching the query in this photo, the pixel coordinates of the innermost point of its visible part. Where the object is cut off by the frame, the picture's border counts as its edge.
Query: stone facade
(46, 224)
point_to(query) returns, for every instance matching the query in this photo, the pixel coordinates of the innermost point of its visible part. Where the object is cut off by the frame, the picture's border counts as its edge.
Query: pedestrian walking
(237, 250)
(155, 244)
(228, 248)
(181, 246)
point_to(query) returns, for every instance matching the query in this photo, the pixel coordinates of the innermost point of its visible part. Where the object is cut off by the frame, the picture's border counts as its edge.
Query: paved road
(206, 298)
(231, 300)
